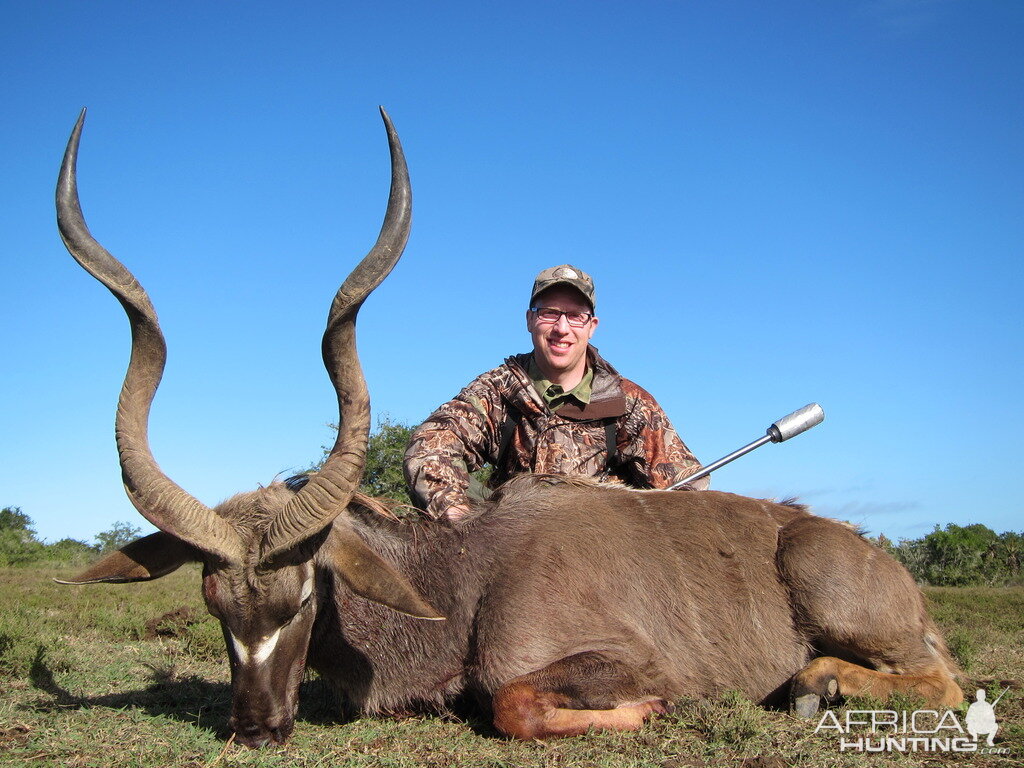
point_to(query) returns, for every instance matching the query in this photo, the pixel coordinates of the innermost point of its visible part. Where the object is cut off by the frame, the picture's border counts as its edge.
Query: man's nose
(562, 324)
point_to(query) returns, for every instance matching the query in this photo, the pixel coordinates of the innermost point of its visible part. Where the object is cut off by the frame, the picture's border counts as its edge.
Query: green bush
(961, 556)
(18, 543)
(70, 551)
(383, 475)
(119, 534)
(17, 549)
(385, 454)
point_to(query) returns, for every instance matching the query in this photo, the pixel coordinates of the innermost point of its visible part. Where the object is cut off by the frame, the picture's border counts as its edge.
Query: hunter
(561, 409)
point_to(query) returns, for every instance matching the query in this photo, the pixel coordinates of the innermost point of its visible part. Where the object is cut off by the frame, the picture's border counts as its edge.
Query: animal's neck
(383, 660)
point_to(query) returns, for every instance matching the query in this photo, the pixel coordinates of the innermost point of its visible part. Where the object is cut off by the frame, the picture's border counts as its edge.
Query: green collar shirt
(554, 395)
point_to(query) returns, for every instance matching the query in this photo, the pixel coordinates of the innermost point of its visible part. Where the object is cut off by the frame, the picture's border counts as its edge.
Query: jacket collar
(606, 399)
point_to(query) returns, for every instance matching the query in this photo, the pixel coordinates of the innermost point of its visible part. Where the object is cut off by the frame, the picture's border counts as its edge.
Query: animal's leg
(571, 696)
(854, 599)
(828, 678)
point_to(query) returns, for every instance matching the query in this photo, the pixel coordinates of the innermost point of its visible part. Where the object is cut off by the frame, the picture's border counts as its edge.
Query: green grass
(82, 686)
(976, 622)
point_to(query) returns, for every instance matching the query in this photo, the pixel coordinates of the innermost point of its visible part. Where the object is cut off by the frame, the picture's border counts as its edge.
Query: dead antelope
(567, 605)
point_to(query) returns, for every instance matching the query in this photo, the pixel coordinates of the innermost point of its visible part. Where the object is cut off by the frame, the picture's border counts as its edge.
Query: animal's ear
(144, 559)
(371, 577)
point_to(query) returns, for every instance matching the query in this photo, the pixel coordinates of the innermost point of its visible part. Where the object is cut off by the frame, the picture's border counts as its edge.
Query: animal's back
(683, 586)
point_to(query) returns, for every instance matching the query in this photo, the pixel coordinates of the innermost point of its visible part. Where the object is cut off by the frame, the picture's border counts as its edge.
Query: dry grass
(82, 686)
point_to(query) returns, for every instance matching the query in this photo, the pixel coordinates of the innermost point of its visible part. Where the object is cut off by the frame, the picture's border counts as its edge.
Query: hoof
(806, 705)
(659, 706)
(806, 698)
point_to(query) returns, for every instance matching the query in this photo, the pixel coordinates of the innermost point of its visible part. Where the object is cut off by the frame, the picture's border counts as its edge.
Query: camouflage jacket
(464, 434)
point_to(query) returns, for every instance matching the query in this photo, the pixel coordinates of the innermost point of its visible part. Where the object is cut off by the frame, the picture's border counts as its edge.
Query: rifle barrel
(788, 426)
(721, 462)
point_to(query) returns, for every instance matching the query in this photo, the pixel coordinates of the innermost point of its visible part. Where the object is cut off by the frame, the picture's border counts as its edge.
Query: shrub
(961, 556)
(18, 543)
(120, 533)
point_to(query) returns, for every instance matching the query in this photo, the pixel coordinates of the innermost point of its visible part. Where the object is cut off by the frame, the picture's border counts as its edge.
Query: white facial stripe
(240, 650)
(265, 647)
(260, 653)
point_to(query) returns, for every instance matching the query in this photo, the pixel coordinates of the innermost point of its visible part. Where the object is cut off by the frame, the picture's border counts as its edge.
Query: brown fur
(680, 594)
(570, 605)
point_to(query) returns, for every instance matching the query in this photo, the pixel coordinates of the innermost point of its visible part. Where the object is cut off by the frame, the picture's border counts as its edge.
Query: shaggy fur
(689, 593)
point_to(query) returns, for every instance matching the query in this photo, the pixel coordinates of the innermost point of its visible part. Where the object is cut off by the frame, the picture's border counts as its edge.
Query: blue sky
(779, 202)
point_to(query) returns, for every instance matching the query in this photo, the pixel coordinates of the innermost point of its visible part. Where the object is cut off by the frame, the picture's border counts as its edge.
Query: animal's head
(261, 551)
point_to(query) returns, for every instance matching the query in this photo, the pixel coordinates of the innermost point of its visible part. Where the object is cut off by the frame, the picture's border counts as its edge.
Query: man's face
(560, 349)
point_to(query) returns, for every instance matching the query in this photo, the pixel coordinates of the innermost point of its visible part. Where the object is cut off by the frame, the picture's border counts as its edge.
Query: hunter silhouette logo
(981, 717)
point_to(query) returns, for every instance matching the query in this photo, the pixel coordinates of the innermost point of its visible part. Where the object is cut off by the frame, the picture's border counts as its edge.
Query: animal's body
(566, 605)
(556, 568)
(672, 594)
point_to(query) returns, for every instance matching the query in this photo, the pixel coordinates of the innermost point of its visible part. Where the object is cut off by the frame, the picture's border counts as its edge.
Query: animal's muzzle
(273, 731)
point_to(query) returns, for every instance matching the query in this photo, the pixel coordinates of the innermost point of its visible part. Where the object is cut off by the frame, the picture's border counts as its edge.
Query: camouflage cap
(565, 274)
